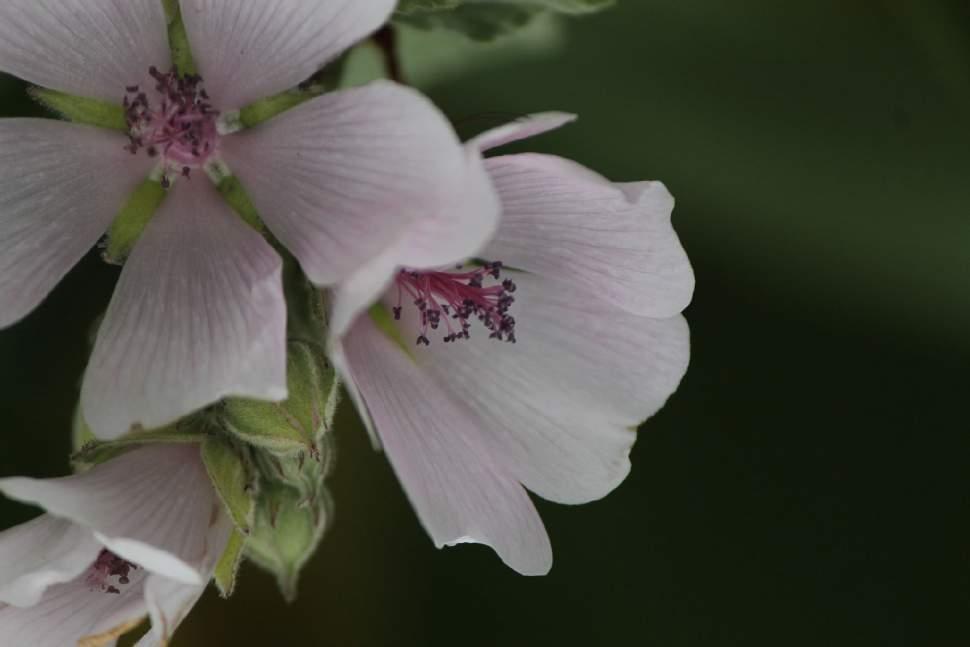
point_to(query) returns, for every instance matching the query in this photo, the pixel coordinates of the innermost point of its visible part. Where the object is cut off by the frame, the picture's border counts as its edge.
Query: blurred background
(810, 482)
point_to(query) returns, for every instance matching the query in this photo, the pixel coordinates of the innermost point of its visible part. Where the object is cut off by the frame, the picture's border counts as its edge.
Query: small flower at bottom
(593, 278)
(137, 536)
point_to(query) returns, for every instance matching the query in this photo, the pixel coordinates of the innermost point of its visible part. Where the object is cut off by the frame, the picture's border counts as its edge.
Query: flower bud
(287, 530)
(300, 423)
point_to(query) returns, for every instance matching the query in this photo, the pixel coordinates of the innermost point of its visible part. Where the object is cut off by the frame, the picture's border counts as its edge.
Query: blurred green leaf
(479, 22)
(411, 7)
(486, 20)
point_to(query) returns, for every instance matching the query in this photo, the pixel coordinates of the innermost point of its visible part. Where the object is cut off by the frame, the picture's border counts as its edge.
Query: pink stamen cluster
(182, 130)
(106, 566)
(454, 298)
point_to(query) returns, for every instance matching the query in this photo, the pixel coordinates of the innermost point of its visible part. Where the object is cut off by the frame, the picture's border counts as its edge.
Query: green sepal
(265, 109)
(82, 110)
(97, 452)
(178, 41)
(128, 227)
(227, 569)
(324, 81)
(233, 479)
(233, 192)
(287, 532)
(172, 9)
(298, 424)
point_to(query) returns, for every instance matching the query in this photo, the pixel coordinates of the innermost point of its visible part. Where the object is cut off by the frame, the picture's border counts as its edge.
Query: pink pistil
(183, 128)
(106, 566)
(454, 298)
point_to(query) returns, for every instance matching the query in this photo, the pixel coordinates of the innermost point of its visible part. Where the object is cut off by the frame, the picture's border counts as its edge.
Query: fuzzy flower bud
(299, 424)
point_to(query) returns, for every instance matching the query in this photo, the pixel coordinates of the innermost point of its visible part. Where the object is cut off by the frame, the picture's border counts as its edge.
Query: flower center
(181, 128)
(106, 566)
(452, 299)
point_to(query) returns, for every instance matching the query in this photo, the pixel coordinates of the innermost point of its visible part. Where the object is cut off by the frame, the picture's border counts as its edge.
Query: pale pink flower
(468, 422)
(199, 312)
(137, 536)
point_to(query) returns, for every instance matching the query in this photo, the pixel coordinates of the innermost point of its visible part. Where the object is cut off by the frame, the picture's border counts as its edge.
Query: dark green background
(808, 484)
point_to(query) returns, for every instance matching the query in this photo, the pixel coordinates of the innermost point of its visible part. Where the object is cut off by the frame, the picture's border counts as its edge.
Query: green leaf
(487, 20)
(575, 6)
(423, 6)
(228, 567)
(232, 478)
(478, 22)
(128, 227)
(82, 110)
(409, 7)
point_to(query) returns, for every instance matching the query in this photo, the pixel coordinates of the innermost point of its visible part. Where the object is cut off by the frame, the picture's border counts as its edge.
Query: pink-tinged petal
(198, 315)
(448, 236)
(250, 50)
(152, 506)
(74, 612)
(62, 185)
(520, 129)
(342, 178)
(169, 602)
(41, 553)
(569, 224)
(459, 488)
(562, 404)
(93, 48)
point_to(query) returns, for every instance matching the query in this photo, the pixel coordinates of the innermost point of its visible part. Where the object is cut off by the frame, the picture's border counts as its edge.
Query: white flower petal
(169, 602)
(93, 48)
(341, 178)
(562, 405)
(151, 506)
(451, 474)
(250, 50)
(449, 236)
(62, 186)
(197, 315)
(72, 612)
(567, 223)
(530, 126)
(40, 553)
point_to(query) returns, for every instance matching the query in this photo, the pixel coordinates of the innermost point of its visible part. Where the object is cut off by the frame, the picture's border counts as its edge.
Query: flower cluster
(268, 260)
